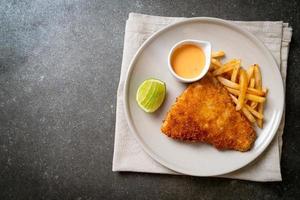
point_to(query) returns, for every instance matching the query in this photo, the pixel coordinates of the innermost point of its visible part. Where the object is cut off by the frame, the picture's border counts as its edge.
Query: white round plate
(151, 60)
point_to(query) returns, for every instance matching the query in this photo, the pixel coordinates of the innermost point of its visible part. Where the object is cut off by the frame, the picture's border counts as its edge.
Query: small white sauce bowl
(205, 46)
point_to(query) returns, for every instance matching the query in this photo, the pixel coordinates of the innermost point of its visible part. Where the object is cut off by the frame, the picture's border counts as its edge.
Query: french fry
(231, 62)
(223, 69)
(244, 86)
(235, 71)
(234, 62)
(257, 75)
(250, 97)
(243, 89)
(216, 64)
(260, 110)
(218, 54)
(250, 72)
(244, 110)
(234, 85)
(248, 111)
(252, 83)
(228, 83)
(248, 115)
(256, 92)
(253, 104)
(234, 74)
(254, 112)
(258, 85)
(265, 90)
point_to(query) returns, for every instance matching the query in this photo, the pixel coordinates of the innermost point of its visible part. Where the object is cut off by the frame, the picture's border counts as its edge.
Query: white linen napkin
(129, 155)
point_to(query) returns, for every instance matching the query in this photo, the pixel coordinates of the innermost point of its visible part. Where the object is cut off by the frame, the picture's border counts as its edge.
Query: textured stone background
(59, 70)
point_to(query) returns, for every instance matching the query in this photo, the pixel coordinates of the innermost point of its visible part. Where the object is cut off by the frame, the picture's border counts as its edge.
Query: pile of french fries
(244, 86)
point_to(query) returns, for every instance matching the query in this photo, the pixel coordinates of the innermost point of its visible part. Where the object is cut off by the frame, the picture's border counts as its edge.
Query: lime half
(151, 94)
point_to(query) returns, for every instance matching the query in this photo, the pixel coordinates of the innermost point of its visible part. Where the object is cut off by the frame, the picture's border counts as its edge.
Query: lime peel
(151, 94)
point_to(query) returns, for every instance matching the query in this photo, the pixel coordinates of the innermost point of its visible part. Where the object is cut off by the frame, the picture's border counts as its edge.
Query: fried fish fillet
(204, 112)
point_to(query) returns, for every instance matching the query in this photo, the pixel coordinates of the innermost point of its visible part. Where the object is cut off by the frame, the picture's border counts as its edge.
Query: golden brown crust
(204, 112)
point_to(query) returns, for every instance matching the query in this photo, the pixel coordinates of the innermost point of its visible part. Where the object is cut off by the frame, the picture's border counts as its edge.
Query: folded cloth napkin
(129, 155)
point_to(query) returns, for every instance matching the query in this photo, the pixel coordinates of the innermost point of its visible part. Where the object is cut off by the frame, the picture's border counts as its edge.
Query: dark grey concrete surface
(59, 70)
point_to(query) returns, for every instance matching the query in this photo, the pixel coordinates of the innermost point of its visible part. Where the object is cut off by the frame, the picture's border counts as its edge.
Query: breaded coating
(204, 112)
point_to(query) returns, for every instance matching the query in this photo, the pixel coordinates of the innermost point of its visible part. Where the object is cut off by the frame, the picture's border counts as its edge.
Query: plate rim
(235, 27)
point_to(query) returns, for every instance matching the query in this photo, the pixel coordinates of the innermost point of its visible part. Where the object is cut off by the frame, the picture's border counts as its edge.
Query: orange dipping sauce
(188, 61)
